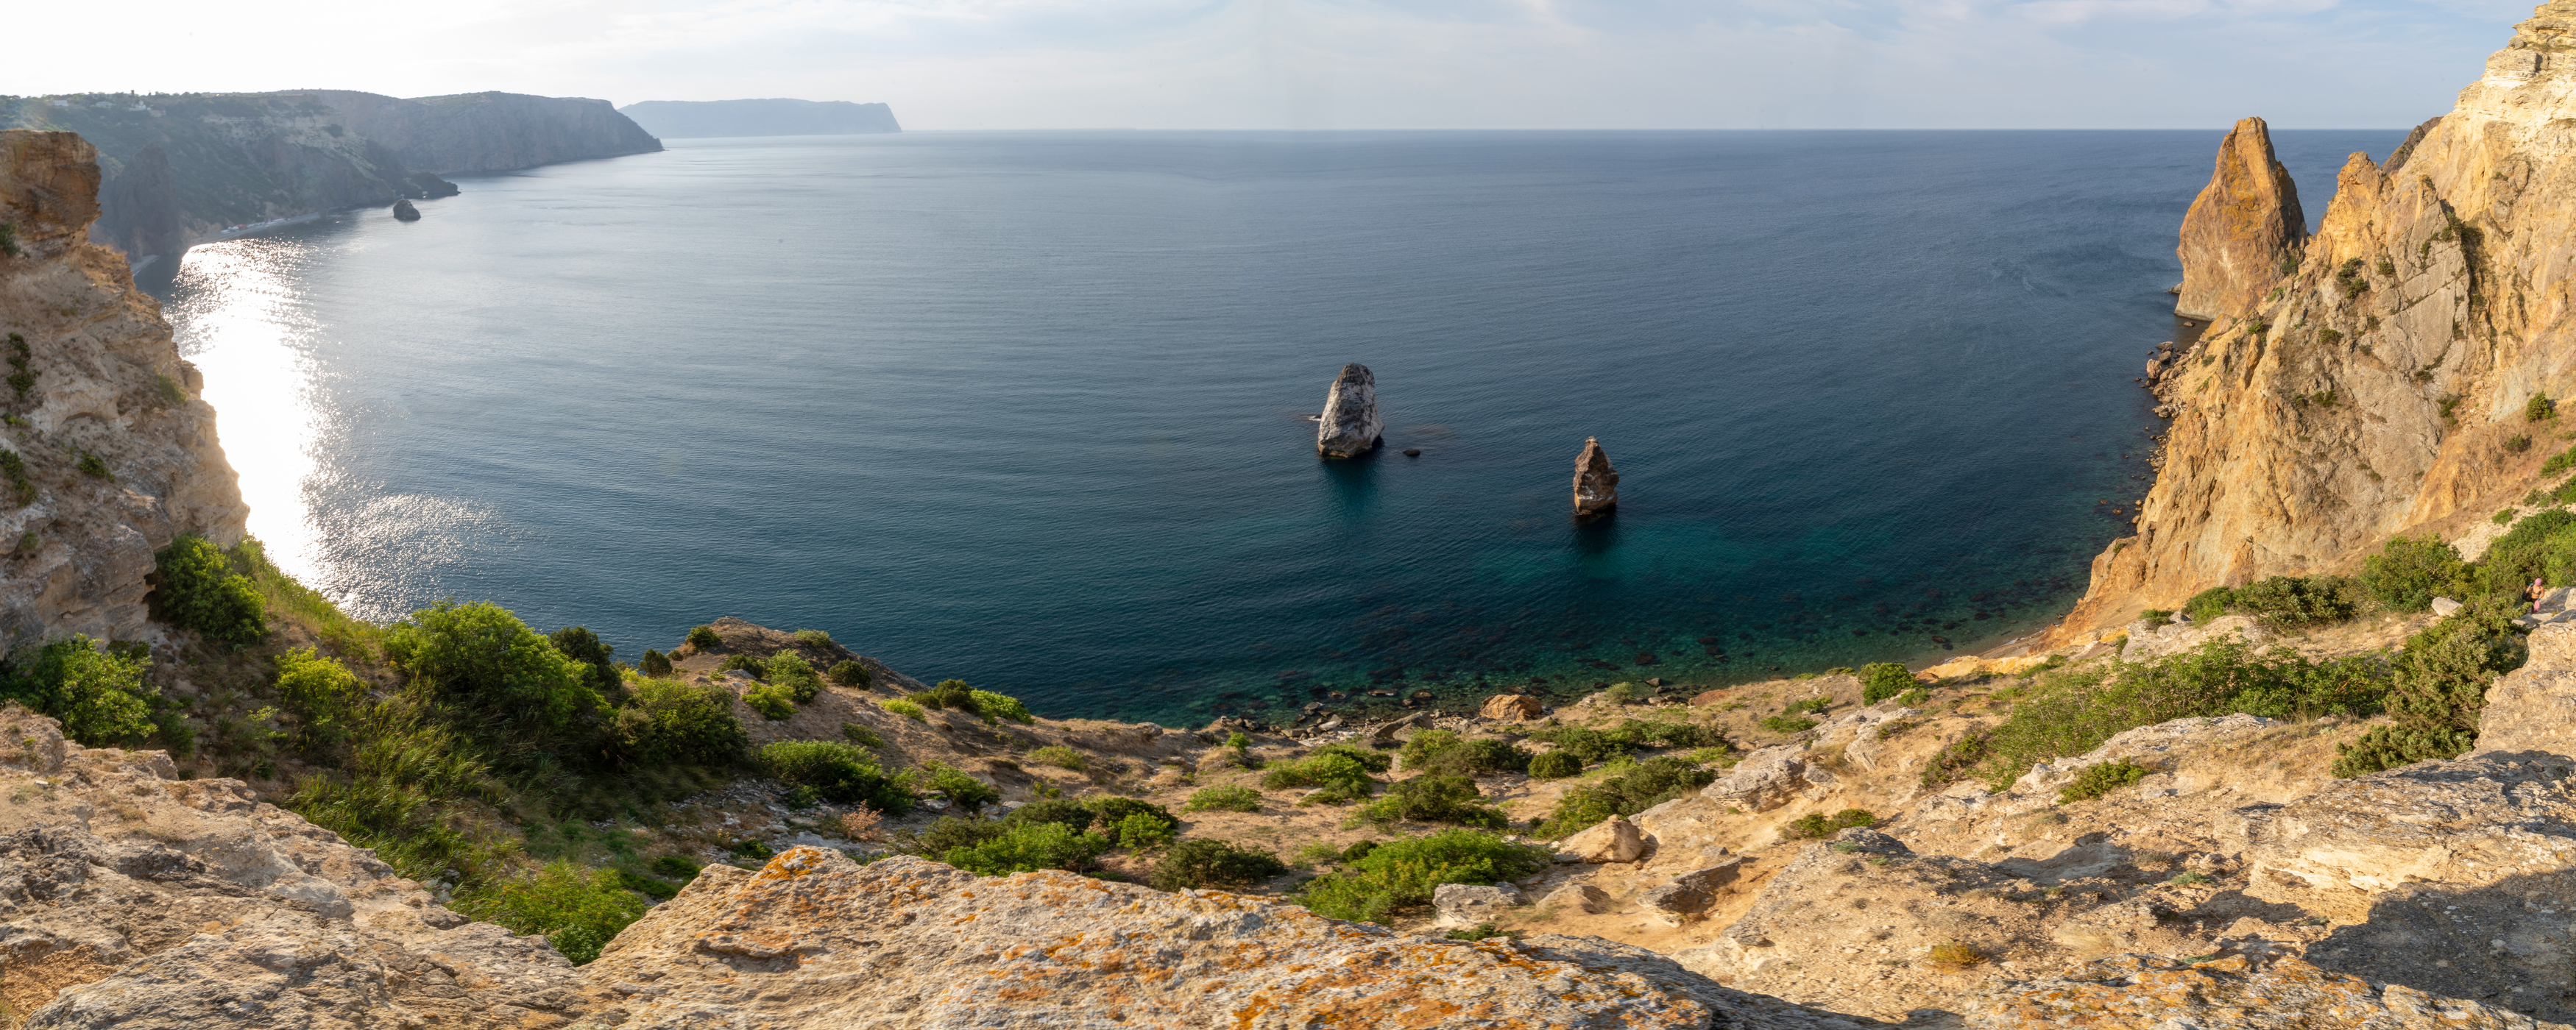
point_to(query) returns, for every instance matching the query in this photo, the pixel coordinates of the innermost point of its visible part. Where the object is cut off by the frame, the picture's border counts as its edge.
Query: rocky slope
(108, 391)
(2377, 387)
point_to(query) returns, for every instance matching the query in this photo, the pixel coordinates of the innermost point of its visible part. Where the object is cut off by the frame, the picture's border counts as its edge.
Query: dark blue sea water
(1028, 409)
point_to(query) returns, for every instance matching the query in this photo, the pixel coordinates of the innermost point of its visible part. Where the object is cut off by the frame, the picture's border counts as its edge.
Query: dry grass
(1955, 957)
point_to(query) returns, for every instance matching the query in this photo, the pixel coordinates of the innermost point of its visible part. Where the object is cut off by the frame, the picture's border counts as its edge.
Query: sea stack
(1349, 427)
(2240, 229)
(403, 211)
(1596, 484)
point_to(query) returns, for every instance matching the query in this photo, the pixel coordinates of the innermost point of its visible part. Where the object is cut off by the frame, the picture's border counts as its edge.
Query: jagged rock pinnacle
(1596, 484)
(2240, 227)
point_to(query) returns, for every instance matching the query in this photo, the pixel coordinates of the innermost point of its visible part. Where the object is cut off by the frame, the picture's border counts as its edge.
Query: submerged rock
(403, 211)
(1596, 484)
(1349, 426)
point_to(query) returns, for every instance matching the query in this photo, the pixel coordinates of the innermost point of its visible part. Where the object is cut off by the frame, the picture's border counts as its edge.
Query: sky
(1334, 64)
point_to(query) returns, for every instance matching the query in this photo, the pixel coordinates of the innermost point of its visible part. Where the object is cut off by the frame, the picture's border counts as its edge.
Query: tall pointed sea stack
(2240, 228)
(1596, 484)
(1350, 427)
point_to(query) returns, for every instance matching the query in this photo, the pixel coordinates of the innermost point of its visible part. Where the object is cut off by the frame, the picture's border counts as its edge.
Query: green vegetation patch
(687, 723)
(1224, 799)
(1633, 789)
(578, 910)
(838, 773)
(1818, 824)
(2101, 778)
(1400, 875)
(1434, 798)
(1197, 864)
(196, 588)
(1442, 752)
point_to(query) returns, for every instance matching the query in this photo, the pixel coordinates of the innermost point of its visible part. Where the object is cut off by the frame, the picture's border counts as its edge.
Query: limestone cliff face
(2380, 390)
(106, 383)
(490, 132)
(2240, 227)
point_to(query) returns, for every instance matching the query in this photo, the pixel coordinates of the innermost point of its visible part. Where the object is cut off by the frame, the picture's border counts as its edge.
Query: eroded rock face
(1350, 425)
(1614, 840)
(814, 940)
(1596, 484)
(108, 382)
(134, 900)
(2137, 992)
(1511, 708)
(2533, 708)
(2240, 227)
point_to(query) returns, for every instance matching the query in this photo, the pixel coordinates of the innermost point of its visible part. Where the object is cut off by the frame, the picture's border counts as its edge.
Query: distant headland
(684, 119)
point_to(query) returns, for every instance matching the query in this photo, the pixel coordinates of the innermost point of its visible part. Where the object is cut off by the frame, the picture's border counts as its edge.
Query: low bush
(813, 637)
(850, 673)
(1639, 787)
(99, 696)
(2517, 443)
(995, 707)
(838, 773)
(1441, 751)
(860, 734)
(2503, 517)
(909, 710)
(2437, 692)
(2539, 408)
(774, 701)
(1224, 799)
(1818, 824)
(581, 645)
(2102, 778)
(1953, 956)
(1113, 811)
(1787, 724)
(1054, 810)
(949, 694)
(197, 589)
(1882, 680)
(2541, 546)
(1198, 864)
(320, 694)
(670, 722)
(949, 832)
(498, 681)
(1400, 875)
(1141, 831)
(578, 910)
(1025, 847)
(705, 638)
(1809, 706)
(960, 789)
(654, 663)
(2297, 602)
(744, 662)
(2209, 604)
(1555, 765)
(1339, 775)
(1434, 798)
(95, 467)
(1594, 747)
(2559, 462)
(1057, 755)
(1959, 759)
(790, 670)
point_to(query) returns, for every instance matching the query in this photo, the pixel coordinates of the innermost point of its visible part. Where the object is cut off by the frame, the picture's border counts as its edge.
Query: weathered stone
(2534, 708)
(2240, 227)
(2138, 992)
(2445, 607)
(1458, 906)
(1349, 426)
(1582, 896)
(1511, 708)
(1689, 894)
(404, 211)
(1596, 484)
(1614, 840)
(1708, 697)
(1766, 779)
(814, 940)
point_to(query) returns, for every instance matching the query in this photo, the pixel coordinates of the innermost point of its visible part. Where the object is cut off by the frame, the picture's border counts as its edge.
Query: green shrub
(860, 734)
(98, 695)
(1639, 787)
(1787, 724)
(654, 663)
(791, 670)
(1813, 705)
(1555, 765)
(9, 245)
(494, 676)
(1959, 759)
(1340, 776)
(1434, 798)
(850, 673)
(1054, 810)
(1597, 746)
(675, 867)
(1140, 831)
(838, 773)
(949, 694)
(1025, 847)
(2541, 546)
(1882, 680)
(744, 662)
(1440, 751)
(1057, 755)
(1224, 799)
(93, 466)
(1400, 875)
(199, 590)
(2407, 574)
(774, 701)
(2103, 778)
(321, 695)
(21, 489)
(1914, 697)
(2517, 443)
(580, 644)
(813, 637)
(2539, 408)
(705, 638)
(1115, 811)
(2502, 518)
(2209, 604)
(1001, 706)
(962, 790)
(578, 910)
(2559, 462)
(909, 710)
(1198, 864)
(1812, 826)
(670, 722)
(2437, 692)
(2295, 602)
(949, 832)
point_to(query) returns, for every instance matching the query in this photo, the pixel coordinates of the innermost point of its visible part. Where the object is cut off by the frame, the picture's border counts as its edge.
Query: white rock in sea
(1349, 427)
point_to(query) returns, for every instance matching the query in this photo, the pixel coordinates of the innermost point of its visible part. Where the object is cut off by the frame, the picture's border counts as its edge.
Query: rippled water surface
(1028, 409)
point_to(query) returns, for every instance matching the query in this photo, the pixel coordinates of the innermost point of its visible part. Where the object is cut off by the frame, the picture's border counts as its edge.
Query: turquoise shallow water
(1027, 409)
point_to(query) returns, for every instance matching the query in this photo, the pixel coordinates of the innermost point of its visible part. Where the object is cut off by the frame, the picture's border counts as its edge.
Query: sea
(1033, 409)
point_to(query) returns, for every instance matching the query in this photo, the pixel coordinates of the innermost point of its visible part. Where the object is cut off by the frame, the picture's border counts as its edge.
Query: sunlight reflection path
(237, 315)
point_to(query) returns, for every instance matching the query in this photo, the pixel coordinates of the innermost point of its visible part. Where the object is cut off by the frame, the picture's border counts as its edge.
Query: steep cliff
(114, 448)
(2240, 227)
(490, 132)
(2379, 386)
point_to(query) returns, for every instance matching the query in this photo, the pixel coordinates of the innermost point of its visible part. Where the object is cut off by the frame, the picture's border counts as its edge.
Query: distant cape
(680, 119)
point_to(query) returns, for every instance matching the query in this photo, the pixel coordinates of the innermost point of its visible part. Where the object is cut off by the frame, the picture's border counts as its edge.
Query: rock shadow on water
(1354, 482)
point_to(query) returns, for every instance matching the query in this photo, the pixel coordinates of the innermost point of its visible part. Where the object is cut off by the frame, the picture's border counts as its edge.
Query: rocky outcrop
(1349, 426)
(815, 940)
(2533, 708)
(404, 211)
(108, 385)
(132, 899)
(2378, 391)
(1614, 840)
(489, 132)
(2241, 228)
(1596, 484)
(2235, 992)
(1511, 708)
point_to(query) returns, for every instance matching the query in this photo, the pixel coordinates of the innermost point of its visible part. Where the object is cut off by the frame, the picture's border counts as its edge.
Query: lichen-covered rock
(1614, 840)
(1511, 708)
(2533, 708)
(2240, 227)
(108, 382)
(2137, 992)
(815, 940)
(1462, 905)
(1689, 894)
(1596, 484)
(1349, 427)
(134, 900)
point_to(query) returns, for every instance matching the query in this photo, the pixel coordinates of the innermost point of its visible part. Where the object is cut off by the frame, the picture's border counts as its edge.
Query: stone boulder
(1596, 484)
(2444, 607)
(405, 212)
(1511, 708)
(1350, 426)
(2240, 228)
(814, 940)
(1458, 906)
(2234, 992)
(1614, 840)
(1768, 779)
(1582, 897)
(1689, 894)
(2533, 708)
